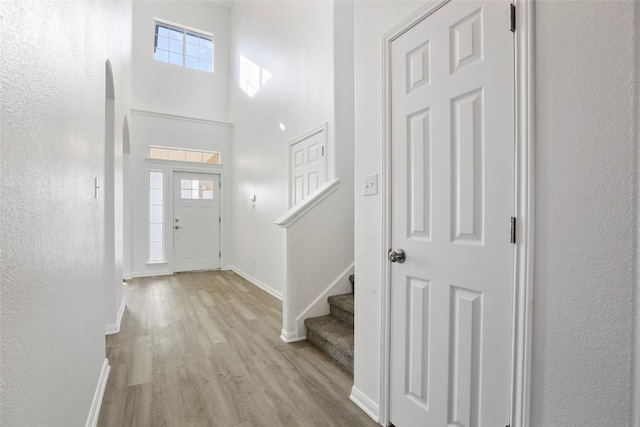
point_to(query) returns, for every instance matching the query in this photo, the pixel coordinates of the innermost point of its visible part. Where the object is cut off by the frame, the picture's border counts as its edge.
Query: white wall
(172, 89)
(188, 109)
(296, 47)
(584, 213)
(51, 227)
(584, 238)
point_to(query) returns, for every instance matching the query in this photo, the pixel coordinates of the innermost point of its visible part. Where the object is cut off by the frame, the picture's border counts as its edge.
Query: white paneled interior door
(306, 165)
(452, 186)
(196, 221)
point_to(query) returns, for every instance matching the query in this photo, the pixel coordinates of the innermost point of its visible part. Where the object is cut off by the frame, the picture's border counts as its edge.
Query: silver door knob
(396, 256)
(176, 227)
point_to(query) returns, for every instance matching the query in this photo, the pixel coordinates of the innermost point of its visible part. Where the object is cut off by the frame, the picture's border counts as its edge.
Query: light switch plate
(370, 185)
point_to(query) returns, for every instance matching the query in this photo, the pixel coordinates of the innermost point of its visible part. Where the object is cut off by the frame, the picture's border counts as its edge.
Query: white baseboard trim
(115, 328)
(320, 306)
(290, 337)
(256, 282)
(96, 404)
(367, 405)
(150, 273)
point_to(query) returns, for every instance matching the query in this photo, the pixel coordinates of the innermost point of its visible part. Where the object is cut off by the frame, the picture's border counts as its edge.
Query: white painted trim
(309, 134)
(183, 27)
(525, 173)
(115, 328)
(137, 274)
(525, 213)
(96, 404)
(256, 282)
(320, 306)
(298, 211)
(181, 118)
(204, 167)
(290, 337)
(367, 405)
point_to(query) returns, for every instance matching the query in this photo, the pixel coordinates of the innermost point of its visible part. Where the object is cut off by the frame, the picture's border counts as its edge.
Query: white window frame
(185, 31)
(185, 152)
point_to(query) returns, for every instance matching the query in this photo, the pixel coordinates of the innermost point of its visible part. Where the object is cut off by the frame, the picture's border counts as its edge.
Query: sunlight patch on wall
(252, 76)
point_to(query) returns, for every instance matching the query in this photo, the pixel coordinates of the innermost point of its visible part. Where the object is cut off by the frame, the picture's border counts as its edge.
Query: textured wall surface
(51, 240)
(584, 213)
(296, 47)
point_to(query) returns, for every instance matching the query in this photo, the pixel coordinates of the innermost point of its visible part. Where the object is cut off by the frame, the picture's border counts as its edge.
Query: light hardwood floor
(203, 349)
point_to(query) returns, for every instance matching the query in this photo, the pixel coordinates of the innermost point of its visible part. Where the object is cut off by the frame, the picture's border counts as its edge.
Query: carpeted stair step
(334, 337)
(341, 306)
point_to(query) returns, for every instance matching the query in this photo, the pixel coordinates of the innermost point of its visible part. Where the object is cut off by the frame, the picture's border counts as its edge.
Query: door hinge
(513, 230)
(323, 150)
(219, 254)
(219, 220)
(513, 18)
(220, 184)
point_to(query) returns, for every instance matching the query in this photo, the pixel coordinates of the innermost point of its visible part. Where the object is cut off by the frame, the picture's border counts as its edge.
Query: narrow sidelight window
(156, 216)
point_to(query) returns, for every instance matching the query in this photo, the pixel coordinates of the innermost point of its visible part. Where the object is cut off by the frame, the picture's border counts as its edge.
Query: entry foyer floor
(203, 349)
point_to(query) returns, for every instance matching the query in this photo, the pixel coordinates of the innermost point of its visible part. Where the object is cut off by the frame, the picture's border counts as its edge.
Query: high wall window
(182, 46)
(156, 216)
(183, 155)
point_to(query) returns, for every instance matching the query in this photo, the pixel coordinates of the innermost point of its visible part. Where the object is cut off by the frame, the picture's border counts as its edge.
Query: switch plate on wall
(370, 185)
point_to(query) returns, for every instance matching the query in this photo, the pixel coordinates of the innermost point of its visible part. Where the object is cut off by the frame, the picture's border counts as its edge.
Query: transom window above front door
(184, 155)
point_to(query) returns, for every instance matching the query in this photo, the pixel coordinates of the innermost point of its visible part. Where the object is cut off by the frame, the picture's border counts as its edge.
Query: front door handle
(396, 256)
(176, 227)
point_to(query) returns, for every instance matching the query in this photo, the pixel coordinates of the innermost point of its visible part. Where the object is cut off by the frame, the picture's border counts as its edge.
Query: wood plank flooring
(203, 349)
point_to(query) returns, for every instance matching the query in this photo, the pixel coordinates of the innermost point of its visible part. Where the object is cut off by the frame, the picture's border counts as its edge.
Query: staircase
(333, 333)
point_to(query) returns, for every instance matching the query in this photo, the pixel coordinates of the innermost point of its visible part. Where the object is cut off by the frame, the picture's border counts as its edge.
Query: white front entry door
(452, 178)
(196, 221)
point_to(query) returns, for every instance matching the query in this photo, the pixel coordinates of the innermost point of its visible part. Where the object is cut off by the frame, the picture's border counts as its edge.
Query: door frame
(211, 170)
(524, 167)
